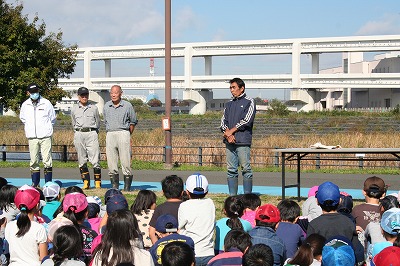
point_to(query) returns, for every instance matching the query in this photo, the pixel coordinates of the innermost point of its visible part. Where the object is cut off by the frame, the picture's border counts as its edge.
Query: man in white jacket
(38, 116)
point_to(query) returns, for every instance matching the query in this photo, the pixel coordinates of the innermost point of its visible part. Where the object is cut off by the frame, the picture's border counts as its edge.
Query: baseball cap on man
(75, 202)
(328, 191)
(83, 90)
(51, 190)
(33, 87)
(338, 251)
(197, 184)
(388, 256)
(28, 197)
(167, 223)
(268, 213)
(390, 221)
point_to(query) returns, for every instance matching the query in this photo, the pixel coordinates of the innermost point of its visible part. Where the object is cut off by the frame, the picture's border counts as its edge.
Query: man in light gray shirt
(86, 123)
(120, 120)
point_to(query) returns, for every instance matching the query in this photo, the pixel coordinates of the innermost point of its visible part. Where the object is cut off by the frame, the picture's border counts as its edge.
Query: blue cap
(167, 223)
(338, 251)
(116, 202)
(390, 221)
(328, 191)
(111, 192)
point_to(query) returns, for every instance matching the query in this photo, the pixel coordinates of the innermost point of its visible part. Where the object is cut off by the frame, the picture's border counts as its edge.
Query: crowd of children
(42, 227)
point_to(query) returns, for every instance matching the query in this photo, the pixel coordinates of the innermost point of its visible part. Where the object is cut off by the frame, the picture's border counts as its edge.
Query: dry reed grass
(148, 145)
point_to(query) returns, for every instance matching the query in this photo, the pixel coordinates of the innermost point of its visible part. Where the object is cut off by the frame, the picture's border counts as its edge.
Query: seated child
(290, 232)
(196, 218)
(236, 243)
(267, 218)
(172, 187)
(251, 202)
(233, 209)
(310, 208)
(167, 228)
(143, 209)
(177, 254)
(51, 192)
(93, 213)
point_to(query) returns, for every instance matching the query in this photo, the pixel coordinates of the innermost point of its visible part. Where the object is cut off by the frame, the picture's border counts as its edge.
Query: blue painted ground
(213, 188)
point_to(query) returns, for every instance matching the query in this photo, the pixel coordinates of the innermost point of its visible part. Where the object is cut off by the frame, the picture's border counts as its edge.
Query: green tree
(28, 55)
(140, 107)
(259, 101)
(174, 102)
(154, 103)
(184, 103)
(277, 108)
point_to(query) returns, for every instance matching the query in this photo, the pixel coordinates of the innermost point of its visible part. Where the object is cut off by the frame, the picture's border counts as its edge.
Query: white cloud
(183, 20)
(389, 24)
(219, 35)
(100, 22)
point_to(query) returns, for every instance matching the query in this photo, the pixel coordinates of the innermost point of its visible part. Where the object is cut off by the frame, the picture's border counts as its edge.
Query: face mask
(34, 96)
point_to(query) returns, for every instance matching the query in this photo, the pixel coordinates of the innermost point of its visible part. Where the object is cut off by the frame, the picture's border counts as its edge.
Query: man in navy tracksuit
(237, 126)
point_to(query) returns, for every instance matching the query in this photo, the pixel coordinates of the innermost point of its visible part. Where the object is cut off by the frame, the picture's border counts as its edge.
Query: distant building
(348, 98)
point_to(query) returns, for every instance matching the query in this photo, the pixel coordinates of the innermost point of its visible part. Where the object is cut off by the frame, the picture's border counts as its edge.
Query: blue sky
(131, 22)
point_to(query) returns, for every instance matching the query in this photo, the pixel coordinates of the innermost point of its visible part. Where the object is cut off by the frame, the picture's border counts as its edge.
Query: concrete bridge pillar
(100, 97)
(199, 98)
(315, 63)
(107, 68)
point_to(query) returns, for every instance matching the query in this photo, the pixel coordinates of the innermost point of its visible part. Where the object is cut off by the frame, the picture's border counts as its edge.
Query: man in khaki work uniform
(86, 123)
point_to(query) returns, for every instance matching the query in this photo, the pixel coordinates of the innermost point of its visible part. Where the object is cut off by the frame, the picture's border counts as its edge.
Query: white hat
(94, 199)
(197, 184)
(51, 190)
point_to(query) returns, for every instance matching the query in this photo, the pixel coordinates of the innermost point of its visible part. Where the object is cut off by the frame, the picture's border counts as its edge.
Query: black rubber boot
(115, 181)
(128, 182)
(233, 186)
(97, 177)
(85, 176)
(48, 174)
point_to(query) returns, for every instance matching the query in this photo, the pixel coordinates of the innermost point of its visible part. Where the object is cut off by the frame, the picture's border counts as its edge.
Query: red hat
(29, 197)
(388, 256)
(268, 213)
(75, 201)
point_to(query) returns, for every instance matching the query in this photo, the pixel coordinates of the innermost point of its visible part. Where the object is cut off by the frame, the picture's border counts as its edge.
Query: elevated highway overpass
(198, 88)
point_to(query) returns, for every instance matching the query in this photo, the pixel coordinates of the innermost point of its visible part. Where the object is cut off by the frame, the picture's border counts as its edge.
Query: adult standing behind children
(120, 120)
(237, 126)
(38, 116)
(86, 123)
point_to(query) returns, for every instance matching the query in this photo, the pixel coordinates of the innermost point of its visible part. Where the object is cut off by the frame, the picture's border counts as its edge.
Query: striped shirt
(120, 117)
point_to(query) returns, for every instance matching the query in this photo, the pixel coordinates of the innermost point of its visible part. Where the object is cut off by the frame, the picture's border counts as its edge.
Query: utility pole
(167, 119)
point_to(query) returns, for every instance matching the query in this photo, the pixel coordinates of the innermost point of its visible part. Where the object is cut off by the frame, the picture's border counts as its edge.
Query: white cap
(51, 190)
(197, 184)
(94, 199)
